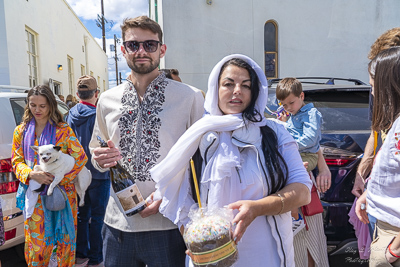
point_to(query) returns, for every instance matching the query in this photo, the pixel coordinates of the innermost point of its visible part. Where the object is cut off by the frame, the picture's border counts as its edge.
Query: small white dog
(53, 161)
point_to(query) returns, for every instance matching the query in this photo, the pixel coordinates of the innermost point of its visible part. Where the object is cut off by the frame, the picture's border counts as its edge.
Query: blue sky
(115, 10)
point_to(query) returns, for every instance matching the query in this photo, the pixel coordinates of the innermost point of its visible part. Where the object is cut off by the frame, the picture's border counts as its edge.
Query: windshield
(341, 110)
(18, 107)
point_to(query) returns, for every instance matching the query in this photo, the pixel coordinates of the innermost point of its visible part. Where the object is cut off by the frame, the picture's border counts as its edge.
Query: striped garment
(313, 240)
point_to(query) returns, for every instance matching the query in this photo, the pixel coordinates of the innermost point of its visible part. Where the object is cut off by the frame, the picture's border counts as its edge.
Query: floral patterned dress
(37, 253)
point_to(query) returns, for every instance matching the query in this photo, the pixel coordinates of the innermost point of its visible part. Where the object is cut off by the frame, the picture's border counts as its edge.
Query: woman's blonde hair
(69, 98)
(55, 115)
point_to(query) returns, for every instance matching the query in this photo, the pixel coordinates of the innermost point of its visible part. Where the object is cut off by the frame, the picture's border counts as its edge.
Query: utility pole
(103, 29)
(101, 22)
(116, 40)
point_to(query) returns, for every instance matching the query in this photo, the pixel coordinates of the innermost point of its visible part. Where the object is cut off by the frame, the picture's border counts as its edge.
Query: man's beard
(143, 69)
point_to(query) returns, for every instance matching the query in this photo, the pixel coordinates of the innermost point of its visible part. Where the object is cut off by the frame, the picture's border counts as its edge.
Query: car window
(18, 106)
(341, 110)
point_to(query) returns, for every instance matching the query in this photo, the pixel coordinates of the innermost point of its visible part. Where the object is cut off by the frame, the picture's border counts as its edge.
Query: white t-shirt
(383, 196)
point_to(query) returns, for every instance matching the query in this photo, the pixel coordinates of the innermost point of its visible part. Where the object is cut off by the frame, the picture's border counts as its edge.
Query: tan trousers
(311, 158)
(384, 233)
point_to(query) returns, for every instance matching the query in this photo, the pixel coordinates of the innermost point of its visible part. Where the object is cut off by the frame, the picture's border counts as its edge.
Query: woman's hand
(323, 180)
(247, 213)
(389, 257)
(358, 186)
(41, 177)
(394, 248)
(107, 157)
(324, 174)
(361, 208)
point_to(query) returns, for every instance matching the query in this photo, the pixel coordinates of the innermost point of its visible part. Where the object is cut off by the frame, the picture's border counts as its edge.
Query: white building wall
(60, 33)
(4, 70)
(315, 38)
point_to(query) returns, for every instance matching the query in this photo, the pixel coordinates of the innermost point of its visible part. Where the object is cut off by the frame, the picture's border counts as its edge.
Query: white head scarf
(211, 103)
(171, 173)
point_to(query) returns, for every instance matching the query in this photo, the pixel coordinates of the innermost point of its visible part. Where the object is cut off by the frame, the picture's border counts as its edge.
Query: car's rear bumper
(13, 221)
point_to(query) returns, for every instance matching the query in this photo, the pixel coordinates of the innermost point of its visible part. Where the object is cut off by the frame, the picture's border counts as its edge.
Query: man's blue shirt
(81, 119)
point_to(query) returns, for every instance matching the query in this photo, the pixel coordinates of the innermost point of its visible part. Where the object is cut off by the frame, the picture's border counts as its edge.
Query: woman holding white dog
(43, 124)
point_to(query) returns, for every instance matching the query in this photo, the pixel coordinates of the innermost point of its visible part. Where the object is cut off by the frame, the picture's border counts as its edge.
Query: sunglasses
(149, 46)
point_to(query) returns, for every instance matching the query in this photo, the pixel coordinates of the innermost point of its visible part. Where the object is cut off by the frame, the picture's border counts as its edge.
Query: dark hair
(288, 86)
(277, 168)
(250, 113)
(142, 22)
(371, 68)
(170, 72)
(276, 165)
(386, 89)
(84, 95)
(55, 115)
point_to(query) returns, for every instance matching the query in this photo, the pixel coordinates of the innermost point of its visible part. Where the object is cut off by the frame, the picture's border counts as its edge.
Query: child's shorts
(311, 158)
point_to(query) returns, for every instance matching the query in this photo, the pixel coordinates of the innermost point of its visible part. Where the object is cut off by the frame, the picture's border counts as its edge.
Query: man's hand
(152, 207)
(107, 157)
(358, 187)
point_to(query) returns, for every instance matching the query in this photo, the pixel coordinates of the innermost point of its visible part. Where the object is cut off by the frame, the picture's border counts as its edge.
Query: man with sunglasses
(141, 120)
(81, 118)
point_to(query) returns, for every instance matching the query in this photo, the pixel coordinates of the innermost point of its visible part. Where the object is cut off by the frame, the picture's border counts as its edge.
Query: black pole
(103, 28)
(116, 58)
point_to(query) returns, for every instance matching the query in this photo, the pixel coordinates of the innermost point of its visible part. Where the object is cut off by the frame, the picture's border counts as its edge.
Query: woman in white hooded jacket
(249, 164)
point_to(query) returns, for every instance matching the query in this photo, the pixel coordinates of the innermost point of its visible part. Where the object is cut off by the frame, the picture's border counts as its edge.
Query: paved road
(13, 257)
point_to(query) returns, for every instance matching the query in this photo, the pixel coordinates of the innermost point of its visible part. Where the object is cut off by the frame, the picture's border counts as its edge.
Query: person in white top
(141, 120)
(381, 199)
(250, 164)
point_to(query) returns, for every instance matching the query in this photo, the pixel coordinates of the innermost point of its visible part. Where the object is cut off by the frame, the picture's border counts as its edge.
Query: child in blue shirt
(304, 123)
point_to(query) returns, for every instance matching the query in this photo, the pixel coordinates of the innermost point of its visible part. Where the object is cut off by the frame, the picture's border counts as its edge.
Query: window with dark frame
(70, 74)
(271, 49)
(32, 57)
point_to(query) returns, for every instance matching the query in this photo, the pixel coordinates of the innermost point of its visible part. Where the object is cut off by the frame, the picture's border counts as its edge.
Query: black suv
(343, 104)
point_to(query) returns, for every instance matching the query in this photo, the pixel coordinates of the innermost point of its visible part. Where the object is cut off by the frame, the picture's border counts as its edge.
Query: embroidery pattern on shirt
(139, 126)
(397, 138)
